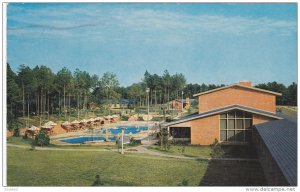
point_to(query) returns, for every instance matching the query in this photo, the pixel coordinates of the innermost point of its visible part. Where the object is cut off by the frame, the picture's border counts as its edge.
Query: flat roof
(221, 110)
(280, 137)
(238, 85)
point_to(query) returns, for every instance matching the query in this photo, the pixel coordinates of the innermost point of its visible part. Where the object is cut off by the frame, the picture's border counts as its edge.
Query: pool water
(113, 131)
(128, 130)
(85, 139)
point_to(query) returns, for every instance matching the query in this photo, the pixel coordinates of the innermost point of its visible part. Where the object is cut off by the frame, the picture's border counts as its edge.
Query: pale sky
(208, 43)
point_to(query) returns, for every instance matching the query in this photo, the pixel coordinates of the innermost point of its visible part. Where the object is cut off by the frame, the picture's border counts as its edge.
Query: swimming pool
(128, 130)
(78, 140)
(114, 131)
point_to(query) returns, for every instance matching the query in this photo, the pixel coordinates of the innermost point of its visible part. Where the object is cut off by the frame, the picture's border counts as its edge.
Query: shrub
(124, 118)
(134, 142)
(184, 182)
(164, 139)
(41, 139)
(217, 151)
(25, 136)
(98, 181)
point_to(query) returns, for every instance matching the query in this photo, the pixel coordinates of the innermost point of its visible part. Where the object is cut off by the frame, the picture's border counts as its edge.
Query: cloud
(51, 27)
(93, 21)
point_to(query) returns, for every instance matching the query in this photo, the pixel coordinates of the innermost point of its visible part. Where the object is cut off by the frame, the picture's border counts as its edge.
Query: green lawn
(27, 142)
(68, 168)
(189, 150)
(18, 141)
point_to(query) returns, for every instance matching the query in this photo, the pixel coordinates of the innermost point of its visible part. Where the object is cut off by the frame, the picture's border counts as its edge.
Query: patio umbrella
(51, 123)
(47, 127)
(97, 119)
(34, 128)
(65, 123)
(83, 121)
(75, 122)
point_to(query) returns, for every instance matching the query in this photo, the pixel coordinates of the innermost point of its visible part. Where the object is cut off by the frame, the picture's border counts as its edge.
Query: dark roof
(238, 85)
(288, 117)
(184, 100)
(221, 110)
(280, 137)
(123, 101)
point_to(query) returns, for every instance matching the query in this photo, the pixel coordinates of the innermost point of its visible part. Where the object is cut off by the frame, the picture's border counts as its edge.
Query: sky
(207, 43)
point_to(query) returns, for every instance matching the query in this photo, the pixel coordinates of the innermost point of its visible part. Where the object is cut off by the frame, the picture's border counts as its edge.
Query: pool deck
(141, 135)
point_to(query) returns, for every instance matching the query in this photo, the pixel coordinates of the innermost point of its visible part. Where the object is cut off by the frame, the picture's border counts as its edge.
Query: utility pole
(182, 102)
(155, 100)
(122, 150)
(147, 91)
(27, 110)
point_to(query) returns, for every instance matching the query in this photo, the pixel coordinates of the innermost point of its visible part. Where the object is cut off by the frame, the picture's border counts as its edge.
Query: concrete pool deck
(55, 139)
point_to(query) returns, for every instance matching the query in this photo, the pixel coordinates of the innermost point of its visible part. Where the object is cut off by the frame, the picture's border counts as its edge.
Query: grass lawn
(27, 142)
(18, 141)
(69, 168)
(189, 150)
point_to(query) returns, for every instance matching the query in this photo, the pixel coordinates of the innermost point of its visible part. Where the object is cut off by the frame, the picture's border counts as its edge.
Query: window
(180, 132)
(235, 126)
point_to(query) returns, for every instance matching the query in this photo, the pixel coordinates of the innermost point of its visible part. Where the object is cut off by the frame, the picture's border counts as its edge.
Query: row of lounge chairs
(86, 124)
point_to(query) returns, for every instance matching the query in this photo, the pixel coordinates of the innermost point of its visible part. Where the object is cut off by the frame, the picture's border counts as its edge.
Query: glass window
(248, 123)
(223, 135)
(223, 116)
(230, 123)
(230, 136)
(235, 126)
(180, 132)
(239, 124)
(240, 136)
(231, 114)
(223, 124)
(239, 114)
(248, 115)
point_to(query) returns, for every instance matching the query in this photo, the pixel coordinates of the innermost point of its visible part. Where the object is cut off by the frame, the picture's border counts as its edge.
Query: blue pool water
(85, 139)
(128, 130)
(114, 131)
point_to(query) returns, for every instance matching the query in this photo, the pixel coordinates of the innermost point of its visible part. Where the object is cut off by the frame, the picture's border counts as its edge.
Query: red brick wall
(237, 95)
(205, 130)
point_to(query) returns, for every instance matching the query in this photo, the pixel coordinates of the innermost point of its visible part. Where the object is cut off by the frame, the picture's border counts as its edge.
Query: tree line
(40, 91)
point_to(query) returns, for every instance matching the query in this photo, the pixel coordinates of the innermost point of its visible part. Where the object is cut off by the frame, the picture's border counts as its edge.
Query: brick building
(177, 103)
(226, 114)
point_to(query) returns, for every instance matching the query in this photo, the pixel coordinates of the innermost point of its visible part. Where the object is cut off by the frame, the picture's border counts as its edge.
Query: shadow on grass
(224, 172)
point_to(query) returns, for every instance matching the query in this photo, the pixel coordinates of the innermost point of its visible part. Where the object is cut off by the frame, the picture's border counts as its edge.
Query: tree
(41, 139)
(44, 78)
(13, 93)
(84, 85)
(178, 82)
(64, 82)
(109, 82)
(137, 92)
(292, 94)
(166, 82)
(25, 80)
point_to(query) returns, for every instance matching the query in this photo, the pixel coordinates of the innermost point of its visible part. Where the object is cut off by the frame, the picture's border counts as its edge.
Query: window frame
(235, 129)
